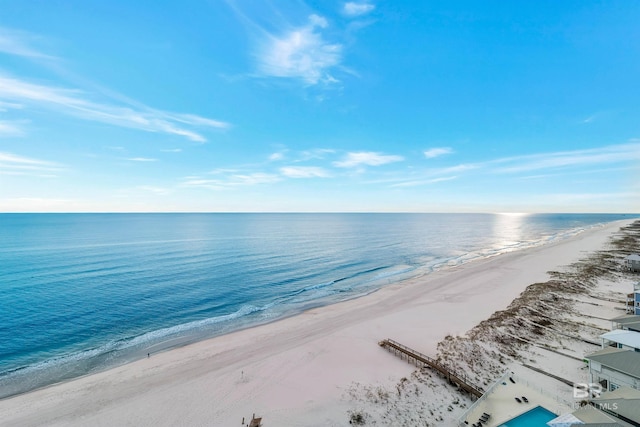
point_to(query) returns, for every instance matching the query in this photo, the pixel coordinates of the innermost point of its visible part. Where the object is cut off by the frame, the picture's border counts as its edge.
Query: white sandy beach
(295, 372)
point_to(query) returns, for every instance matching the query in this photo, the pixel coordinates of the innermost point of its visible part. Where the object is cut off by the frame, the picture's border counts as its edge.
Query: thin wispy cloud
(314, 154)
(13, 164)
(274, 157)
(417, 183)
(301, 53)
(142, 159)
(172, 150)
(6, 106)
(304, 172)
(11, 128)
(19, 43)
(231, 181)
(597, 117)
(114, 109)
(608, 159)
(160, 191)
(366, 158)
(76, 103)
(357, 9)
(301, 156)
(565, 159)
(437, 152)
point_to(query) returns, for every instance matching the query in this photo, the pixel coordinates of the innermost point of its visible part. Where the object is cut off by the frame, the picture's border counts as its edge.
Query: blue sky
(413, 106)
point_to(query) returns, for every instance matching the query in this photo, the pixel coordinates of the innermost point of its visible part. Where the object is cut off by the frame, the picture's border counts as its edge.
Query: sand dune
(300, 370)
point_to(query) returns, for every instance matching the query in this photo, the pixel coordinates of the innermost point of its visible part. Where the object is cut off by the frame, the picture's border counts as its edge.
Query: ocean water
(83, 292)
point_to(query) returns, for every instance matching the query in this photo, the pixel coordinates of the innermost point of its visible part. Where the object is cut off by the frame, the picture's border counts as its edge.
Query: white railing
(463, 418)
(520, 380)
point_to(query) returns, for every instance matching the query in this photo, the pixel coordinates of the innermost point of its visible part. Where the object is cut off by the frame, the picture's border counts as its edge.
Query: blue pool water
(537, 417)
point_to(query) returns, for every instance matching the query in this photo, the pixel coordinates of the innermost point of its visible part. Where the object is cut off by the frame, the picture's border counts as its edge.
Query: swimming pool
(537, 417)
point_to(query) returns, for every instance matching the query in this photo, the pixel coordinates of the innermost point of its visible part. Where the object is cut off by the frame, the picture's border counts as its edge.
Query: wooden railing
(459, 379)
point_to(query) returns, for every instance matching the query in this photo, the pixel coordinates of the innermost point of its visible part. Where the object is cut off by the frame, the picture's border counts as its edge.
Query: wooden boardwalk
(461, 380)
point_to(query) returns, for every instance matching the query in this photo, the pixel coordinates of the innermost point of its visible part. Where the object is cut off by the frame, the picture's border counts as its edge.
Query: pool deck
(500, 403)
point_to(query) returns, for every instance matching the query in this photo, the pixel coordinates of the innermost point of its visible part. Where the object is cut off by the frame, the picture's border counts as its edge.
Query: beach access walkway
(459, 379)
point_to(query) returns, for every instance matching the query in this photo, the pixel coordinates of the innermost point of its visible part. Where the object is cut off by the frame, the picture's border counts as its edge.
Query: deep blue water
(82, 292)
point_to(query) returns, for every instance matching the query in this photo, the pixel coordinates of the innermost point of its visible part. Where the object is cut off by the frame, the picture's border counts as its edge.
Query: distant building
(632, 263)
(615, 367)
(631, 303)
(621, 338)
(633, 300)
(627, 322)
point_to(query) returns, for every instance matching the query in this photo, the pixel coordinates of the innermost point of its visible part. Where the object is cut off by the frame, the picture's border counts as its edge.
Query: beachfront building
(632, 263)
(621, 338)
(633, 300)
(587, 416)
(613, 368)
(627, 322)
(623, 404)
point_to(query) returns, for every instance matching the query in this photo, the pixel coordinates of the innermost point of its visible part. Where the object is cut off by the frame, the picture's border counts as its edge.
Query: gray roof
(625, 400)
(626, 318)
(634, 257)
(588, 414)
(619, 359)
(593, 417)
(632, 325)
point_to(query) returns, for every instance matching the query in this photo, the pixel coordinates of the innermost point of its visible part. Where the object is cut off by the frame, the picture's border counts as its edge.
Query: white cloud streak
(366, 158)
(436, 152)
(11, 128)
(142, 159)
(424, 182)
(304, 172)
(6, 106)
(74, 102)
(13, 164)
(357, 9)
(18, 43)
(301, 53)
(274, 157)
(565, 159)
(232, 181)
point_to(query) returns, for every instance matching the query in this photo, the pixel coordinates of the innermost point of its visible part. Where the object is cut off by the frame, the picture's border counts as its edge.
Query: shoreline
(278, 369)
(69, 364)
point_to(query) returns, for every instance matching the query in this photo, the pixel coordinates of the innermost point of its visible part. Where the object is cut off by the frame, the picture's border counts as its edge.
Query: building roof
(587, 416)
(619, 359)
(629, 321)
(626, 318)
(566, 420)
(633, 326)
(593, 417)
(621, 336)
(624, 401)
(633, 257)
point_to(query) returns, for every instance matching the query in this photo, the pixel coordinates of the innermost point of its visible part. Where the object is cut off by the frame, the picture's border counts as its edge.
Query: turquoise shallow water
(82, 292)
